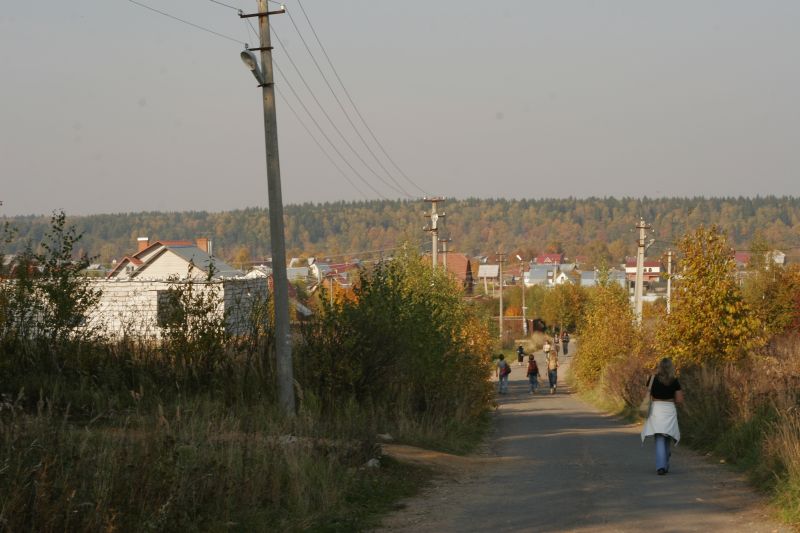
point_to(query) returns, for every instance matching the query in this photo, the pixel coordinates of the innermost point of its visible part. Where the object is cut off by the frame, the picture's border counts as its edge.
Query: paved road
(557, 464)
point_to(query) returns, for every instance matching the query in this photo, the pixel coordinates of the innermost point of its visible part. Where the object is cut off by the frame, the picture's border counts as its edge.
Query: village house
(135, 296)
(489, 273)
(460, 266)
(651, 270)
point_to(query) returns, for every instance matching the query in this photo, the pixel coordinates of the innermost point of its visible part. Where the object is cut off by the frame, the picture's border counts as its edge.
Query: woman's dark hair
(666, 371)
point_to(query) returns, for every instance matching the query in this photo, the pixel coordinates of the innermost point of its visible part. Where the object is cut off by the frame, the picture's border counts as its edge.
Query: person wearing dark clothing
(662, 422)
(520, 355)
(533, 374)
(565, 342)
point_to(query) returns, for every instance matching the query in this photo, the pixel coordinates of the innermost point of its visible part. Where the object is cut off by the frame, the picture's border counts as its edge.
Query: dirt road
(555, 463)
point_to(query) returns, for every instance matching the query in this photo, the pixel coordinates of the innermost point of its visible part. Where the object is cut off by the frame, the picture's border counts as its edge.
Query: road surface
(554, 463)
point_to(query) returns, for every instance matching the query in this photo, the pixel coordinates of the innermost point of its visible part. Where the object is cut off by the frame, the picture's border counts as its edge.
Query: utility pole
(522, 278)
(434, 227)
(283, 334)
(444, 252)
(501, 260)
(669, 281)
(637, 295)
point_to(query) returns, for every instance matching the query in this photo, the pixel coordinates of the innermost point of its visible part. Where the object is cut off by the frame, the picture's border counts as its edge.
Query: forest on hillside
(600, 228)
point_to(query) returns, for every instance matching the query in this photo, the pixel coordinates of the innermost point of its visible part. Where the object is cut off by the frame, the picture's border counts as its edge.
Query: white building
(135, 295)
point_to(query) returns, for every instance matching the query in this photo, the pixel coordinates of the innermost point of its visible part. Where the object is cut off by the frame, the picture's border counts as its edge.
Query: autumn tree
(562, 306)
(710, 321)
(607, 332)
(771, 290)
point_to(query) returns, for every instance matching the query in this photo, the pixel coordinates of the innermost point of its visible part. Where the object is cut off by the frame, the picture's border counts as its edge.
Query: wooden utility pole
(500, 261)
(444, 252)
(283, 335)
(669, 281)
(524, 309)
(639, 288)
(434, 228)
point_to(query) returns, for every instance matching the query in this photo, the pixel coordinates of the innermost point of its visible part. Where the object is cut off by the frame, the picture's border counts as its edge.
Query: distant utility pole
(434, 227)
(641, 246)
(669, 281)
(500, 260)
(283, 335)
(522, 278)
(444, 252)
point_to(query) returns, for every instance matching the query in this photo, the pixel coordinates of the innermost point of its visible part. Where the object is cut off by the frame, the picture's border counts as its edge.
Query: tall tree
(710, 322)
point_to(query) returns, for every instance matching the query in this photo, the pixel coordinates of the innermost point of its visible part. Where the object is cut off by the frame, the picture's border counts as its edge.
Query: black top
(665, 392)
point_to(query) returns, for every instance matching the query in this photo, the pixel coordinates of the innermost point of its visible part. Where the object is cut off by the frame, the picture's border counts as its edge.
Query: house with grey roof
(591, 278)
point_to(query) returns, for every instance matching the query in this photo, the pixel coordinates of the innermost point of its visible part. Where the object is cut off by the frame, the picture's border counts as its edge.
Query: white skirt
(663, 419)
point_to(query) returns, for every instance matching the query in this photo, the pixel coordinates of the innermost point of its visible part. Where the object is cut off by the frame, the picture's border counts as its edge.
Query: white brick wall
(130, 307)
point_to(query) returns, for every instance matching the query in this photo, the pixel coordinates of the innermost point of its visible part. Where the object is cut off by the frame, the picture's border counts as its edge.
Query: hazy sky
(108, 107)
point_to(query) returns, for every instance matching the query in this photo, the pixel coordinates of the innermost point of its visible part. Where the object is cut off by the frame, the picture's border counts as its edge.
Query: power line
(297, 116)
(350, 99)
(341, 106)
(308, 112)
(325, 135)
(330, 120)
(192, 24)
(224, 4)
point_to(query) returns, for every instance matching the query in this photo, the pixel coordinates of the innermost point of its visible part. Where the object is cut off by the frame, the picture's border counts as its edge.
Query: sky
(109, 107)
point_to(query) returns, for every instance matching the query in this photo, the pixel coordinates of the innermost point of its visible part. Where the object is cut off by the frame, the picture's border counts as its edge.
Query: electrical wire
(224, 4)
(350, 99)
(297, 116)
(327, 138)
(341, 106)
(325, 135)
(192, 24)
(327, 115)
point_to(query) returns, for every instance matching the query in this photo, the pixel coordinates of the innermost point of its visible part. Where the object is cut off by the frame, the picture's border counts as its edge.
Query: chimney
(203, 244)
(144, 242)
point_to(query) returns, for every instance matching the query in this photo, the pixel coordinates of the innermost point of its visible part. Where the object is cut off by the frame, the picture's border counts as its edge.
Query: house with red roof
(460, 266)
(549, 259)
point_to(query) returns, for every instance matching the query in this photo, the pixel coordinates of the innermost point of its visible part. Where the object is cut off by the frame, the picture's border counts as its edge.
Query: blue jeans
(534, 381)
(552, 376)
(662, 450)
(503, 384)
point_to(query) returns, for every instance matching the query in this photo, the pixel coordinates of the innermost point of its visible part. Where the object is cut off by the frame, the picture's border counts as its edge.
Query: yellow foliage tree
(709, 322)
(607, 333)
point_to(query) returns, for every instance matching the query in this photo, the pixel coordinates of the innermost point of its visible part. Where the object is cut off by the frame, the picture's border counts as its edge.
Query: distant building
(651, 270)
(549, 259)
(489, 273)
(163, 259)
(591, 278)
(460, 266)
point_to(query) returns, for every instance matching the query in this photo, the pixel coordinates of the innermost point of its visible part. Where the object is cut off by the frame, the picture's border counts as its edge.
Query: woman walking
(662, 422)
(552, 370)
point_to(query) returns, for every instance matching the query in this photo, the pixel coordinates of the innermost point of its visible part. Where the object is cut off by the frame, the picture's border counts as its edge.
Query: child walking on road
(533, 374)
(552, 370)
(502, 372)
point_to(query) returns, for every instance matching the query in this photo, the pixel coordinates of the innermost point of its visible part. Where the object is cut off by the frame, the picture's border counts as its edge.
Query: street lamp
(250, 61)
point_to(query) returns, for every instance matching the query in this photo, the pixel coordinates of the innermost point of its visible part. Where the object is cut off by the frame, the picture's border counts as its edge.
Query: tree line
(598, 228)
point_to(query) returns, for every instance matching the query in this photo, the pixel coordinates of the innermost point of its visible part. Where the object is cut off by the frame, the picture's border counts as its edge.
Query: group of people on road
(550, 349)
(664, 393)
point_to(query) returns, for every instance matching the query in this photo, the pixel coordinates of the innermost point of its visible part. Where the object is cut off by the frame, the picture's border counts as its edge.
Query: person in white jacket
(662, 422)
